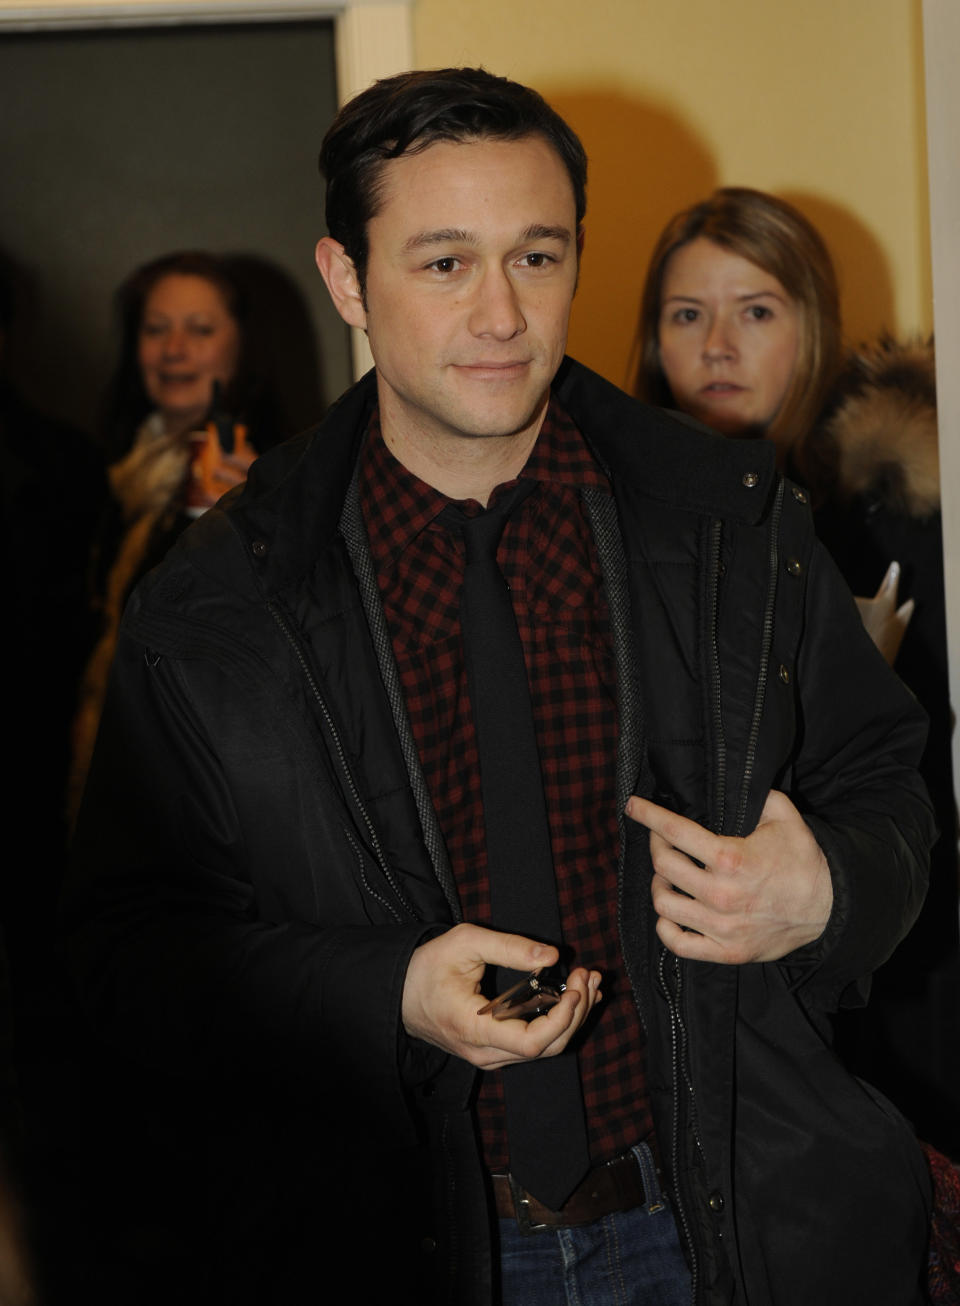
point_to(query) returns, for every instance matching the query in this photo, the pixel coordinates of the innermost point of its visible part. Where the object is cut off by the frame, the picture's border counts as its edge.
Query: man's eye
(536, 259)
(448, 264)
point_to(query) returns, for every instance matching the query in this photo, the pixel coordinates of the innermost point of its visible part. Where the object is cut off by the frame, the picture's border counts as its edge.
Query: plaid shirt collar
(397, 505)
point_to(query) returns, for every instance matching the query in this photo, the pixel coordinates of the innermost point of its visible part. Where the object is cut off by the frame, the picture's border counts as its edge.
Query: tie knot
(481, 534)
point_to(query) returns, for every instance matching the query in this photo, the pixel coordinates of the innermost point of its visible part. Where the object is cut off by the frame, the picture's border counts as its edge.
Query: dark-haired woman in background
(191, 326)
(740, 328)
(190, 343)
(188, 332)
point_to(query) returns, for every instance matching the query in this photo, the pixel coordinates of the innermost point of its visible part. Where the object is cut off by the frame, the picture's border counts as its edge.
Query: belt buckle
(521, 1206)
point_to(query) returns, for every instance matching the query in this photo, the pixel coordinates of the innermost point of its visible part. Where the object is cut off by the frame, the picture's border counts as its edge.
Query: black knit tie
(546, 1130)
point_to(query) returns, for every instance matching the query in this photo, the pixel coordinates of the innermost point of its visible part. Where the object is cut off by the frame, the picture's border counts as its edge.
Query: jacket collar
(666, 456)
(289, 510)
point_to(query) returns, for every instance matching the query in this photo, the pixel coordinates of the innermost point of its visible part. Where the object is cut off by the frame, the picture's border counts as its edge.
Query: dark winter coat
(257, 859)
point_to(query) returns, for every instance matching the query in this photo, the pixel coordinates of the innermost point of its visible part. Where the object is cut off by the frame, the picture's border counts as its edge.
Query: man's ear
(340, 276)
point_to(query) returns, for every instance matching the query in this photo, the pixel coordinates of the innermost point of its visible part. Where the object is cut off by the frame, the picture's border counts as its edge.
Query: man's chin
(503, 422)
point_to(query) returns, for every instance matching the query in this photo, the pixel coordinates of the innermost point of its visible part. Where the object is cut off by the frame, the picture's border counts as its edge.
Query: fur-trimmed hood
(879, 437)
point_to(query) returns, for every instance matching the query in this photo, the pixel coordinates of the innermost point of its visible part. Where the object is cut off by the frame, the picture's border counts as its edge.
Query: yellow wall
(820, 101)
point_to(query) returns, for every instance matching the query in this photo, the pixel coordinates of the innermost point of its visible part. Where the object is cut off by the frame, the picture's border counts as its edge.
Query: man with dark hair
(359, 806)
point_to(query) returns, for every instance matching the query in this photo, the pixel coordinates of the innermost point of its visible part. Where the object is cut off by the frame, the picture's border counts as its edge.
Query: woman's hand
(885, 623)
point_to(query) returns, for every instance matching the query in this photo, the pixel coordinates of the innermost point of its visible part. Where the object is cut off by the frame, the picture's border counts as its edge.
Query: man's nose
(496, 311)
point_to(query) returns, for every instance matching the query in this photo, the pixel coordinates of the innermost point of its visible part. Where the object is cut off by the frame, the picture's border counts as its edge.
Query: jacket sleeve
(182, 956)
(861, 735)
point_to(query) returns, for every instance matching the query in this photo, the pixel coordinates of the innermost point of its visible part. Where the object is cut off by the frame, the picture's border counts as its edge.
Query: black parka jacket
(257, 858)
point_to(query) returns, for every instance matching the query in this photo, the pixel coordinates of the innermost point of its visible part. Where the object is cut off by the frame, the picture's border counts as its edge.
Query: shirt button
(428, 1245)
(750, 479)
(784, 674)
(798, 494)
(259, 548)
(795, 567)
(716, 1202)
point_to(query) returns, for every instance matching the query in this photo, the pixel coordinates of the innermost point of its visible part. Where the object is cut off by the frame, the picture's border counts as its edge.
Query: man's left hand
(753, 899)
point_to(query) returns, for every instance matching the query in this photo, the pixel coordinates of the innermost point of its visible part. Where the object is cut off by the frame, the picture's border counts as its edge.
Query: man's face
(471, 273)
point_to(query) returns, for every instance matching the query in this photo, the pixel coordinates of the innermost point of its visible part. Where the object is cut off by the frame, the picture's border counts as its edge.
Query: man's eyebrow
(538, 231)
(443, 236)
(459, 236)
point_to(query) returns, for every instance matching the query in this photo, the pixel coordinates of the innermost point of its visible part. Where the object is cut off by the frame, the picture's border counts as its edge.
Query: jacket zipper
(713, 598)
(678, 1033)
(683, 1091)
(679, 1072)
(764, 668)
(346, 772)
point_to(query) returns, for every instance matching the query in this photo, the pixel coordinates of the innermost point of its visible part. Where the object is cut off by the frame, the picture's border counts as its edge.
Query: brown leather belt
(615, 1186)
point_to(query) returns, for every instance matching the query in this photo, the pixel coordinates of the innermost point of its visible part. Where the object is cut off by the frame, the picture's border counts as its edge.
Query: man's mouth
(494, 367)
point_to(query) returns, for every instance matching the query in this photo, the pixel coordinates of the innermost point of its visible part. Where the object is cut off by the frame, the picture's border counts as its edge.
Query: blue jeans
(631, 1258)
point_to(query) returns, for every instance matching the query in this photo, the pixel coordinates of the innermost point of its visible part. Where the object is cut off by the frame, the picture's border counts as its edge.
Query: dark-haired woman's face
(729, 337)
(188, 340)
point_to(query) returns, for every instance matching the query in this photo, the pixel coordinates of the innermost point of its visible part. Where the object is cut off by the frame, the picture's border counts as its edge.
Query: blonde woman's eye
(760, 312)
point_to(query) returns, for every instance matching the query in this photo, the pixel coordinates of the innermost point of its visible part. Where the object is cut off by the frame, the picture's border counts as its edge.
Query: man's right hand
(441, 998)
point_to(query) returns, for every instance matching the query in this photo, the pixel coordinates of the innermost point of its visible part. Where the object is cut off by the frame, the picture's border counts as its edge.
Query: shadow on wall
(866, 286)
(645, 164)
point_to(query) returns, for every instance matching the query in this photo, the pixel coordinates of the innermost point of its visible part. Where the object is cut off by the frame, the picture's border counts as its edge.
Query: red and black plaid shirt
(548, 557)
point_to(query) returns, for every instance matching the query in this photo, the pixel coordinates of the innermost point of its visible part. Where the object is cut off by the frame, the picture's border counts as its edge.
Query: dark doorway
(121, 145)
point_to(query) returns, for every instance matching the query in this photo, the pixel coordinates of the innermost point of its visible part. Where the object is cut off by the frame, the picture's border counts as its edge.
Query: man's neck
(460, 466)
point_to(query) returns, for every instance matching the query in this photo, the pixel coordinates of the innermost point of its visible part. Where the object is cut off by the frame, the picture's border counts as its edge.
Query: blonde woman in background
(740, 329)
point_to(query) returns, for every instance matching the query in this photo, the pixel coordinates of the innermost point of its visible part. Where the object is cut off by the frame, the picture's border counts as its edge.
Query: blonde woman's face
(729, 337)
